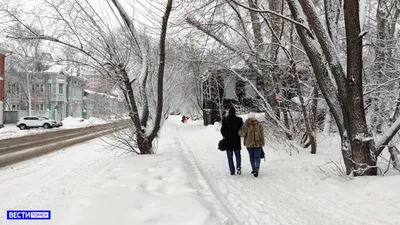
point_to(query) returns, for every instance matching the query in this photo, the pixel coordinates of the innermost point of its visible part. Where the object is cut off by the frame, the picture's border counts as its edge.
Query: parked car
(58, 123)
(27, 122)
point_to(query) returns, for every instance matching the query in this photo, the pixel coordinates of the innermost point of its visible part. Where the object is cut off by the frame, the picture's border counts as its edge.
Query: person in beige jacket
(254, 140)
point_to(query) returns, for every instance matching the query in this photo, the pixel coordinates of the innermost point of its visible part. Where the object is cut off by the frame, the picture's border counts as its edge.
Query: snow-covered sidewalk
(293, 190)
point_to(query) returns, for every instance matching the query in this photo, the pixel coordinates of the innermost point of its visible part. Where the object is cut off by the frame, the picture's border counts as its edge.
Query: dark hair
(232, 111)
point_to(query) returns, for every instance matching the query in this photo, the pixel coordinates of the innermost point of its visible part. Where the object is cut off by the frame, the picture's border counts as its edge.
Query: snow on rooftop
(55, 69)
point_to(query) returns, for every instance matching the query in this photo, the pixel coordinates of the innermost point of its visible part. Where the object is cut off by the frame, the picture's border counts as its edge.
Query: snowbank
(72, 122)
(10, 130)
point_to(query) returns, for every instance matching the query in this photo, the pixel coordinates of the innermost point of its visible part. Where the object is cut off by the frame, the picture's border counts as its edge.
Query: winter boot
(239, 171)
(256, 172)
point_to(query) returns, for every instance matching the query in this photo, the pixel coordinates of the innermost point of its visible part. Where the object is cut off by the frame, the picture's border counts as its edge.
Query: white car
(27, 122)
(58, 123)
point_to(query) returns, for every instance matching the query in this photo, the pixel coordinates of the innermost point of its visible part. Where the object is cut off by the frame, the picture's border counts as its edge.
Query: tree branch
(387, 137)
(274, 13)
(197, 25)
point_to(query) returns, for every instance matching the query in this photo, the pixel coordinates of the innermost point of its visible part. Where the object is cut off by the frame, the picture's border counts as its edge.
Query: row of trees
(344, 52)
(273, 37)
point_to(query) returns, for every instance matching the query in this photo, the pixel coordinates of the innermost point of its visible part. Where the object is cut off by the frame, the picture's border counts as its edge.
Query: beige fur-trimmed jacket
(253, 133)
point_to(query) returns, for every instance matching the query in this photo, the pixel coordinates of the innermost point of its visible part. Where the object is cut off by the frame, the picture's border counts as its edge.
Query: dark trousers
(230, 159)
(255, 160)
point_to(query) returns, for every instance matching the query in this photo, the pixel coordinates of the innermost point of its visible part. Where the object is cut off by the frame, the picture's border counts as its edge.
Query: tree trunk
(330, 14)
(377, 107)
(316, 59)
(161, 66)
(273, 52)
(29, 94)
(327, 122)
(309, 137)
(143, 83)
(269, 83)
(314, 108)
(362, 144)
(144, 144)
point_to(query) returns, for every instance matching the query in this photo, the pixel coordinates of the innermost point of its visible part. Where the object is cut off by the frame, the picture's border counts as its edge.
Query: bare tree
(358, 145)
(88, 34)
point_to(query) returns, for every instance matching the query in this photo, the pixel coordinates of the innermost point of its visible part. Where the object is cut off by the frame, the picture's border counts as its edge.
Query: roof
(55, 69)
(4, 51)
(98, 93)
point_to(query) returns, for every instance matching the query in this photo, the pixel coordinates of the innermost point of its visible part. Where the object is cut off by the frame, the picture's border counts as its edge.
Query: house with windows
(222, 89)
(54, 91)
(63, 94)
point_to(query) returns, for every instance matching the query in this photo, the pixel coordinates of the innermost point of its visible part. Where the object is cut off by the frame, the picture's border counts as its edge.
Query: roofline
(5, 52)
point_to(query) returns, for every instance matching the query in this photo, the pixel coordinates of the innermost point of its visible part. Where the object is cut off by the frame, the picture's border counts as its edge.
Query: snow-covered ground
(188, 182)
(10, 130)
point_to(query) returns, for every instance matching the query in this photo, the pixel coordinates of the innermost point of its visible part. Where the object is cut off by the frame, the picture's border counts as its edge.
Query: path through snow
(291, 190)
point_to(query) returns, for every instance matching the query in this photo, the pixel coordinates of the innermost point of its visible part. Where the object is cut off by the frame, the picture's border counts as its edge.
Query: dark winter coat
(230, 131)
(253, 133)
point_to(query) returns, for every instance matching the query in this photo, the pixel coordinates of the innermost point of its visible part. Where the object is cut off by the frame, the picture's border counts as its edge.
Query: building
(54, 92)
(3, 54)
(64, 92)
(97, 82)
(222, 89)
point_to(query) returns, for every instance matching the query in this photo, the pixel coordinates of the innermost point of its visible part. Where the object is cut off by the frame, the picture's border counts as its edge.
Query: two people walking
(253, 133)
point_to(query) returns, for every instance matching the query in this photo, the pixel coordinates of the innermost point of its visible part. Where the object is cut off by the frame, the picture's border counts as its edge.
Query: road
(21, 148)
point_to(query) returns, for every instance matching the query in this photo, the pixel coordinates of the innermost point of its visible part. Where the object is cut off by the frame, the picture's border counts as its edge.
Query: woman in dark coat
(229, 130)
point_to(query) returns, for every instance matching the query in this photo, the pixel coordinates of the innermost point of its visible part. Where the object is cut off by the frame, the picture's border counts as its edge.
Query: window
(37, 88)
(39, 107)
(60, 88)
(15, 89)
(48, 91)
(230, 88)
(41, 88)
(15, 107)
(249, 90)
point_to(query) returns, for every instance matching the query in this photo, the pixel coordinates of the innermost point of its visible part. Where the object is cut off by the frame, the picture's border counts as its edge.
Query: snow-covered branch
(274, 13)
(387, 137)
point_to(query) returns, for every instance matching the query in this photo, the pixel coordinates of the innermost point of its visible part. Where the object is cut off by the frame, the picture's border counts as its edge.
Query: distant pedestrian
(254, 140)
(183, 118)
(229, 130)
